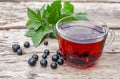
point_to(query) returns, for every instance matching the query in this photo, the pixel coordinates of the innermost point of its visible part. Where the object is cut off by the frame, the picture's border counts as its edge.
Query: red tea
(77, 48)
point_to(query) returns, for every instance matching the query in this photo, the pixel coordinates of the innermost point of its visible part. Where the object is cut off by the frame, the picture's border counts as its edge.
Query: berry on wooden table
(15, 47)
(58, 52)
(43, 62)
(44, 56)
(45, 42)
(53, 65)
(32, 61)
(26, 44)
(35, 56)
(46, 51)
(55, 57)
(60, 61)
(19, 52)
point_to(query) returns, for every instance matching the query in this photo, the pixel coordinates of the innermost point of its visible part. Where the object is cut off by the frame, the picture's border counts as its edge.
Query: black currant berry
(19, 52)
(26, 44)
(44, 56)
(55, 57)
(46, 51)
(35, 56)
(53, 65)
(32, 61)
(58, 53)
(43, 62)
(45, 42)
(60, 61)
(15, 47)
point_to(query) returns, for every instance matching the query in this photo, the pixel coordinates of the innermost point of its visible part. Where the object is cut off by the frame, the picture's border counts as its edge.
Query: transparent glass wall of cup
(81, 40)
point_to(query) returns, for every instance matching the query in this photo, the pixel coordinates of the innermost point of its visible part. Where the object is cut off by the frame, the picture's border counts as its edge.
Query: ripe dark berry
(46, 51)
(32, 61)
(85, 54)
(19, 52)
(44, 56)
(58, 53)
(15, 47)
(60, 61)
(55, 57)
(53, 65)
(35, 56)
(43, 62)
(26, 44)
(45, 42)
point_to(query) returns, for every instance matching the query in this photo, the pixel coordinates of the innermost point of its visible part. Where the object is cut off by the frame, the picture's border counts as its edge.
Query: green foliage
(42, 21)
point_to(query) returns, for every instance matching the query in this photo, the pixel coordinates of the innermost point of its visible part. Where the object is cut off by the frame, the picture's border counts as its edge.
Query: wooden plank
(106, 1)
(17, 36)
(16, 16)
(9, 37)
(16, 67)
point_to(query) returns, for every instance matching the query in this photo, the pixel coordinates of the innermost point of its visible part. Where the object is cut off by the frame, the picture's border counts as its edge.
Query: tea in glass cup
(81, 42)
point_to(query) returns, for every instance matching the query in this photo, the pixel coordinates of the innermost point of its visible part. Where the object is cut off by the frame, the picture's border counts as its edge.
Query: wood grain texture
(12, 29)
(16, 67)
(105, 1)
(13, 66)
(14, 14)
(9, 37)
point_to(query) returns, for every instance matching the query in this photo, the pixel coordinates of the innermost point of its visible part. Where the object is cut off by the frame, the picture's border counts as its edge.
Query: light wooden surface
(12, 29)
(14, 14)
(106, 1)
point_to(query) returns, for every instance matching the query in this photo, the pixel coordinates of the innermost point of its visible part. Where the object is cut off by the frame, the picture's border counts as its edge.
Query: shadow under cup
(81, 42)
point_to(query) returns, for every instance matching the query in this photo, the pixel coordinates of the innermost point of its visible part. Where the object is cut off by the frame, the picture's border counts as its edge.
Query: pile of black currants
(16, 47)
(56, 58)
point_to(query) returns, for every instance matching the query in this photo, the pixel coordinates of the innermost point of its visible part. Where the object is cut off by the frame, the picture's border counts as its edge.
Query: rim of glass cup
(62, 33)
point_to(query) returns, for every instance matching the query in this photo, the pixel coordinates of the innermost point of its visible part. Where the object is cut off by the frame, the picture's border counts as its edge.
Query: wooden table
(12, 29)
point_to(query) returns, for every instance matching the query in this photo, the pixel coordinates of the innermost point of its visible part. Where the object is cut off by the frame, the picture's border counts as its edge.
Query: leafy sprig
(42, 21)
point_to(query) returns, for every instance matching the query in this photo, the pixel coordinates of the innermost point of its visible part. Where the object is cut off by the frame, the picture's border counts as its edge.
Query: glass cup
(82, 39)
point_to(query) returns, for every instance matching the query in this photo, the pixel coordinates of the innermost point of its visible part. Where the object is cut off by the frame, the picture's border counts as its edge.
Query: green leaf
(81, 13)
(53, 35)
(56, 4)
(81, 17)
(33, 16)
(49, 8)
(42, 10)
(75, 17)
(33, 24)
(39, 15)
(30, 33)
(68, 8)
(40, 34)
(42, 21)
(35, 19)
(68, 19)
(54, 16)
(54, 11)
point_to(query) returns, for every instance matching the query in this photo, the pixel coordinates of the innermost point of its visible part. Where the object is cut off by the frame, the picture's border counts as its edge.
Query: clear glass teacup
(82, 40)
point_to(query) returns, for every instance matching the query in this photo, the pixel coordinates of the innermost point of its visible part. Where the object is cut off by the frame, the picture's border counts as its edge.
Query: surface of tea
(79, 45)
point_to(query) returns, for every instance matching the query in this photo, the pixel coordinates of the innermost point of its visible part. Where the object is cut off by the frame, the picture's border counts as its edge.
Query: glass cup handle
(112, 37)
